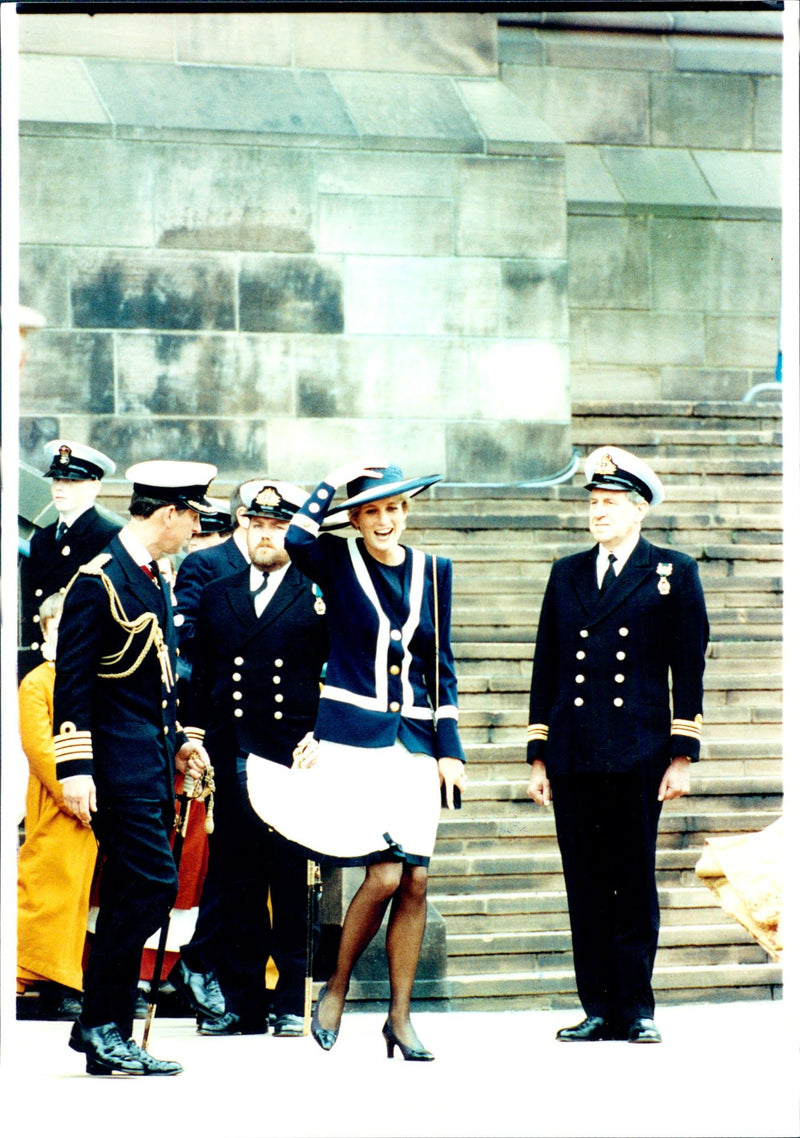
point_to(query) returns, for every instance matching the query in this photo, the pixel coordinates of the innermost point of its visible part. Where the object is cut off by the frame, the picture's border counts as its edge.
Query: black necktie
(260, 589)
(151, 569)
(609, 574)
(61, 529)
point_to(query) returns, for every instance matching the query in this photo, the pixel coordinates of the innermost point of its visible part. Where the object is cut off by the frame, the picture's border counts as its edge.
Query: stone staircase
(496, 875)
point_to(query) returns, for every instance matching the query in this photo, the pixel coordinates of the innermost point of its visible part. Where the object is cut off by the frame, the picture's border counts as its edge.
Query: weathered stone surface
(507, 124)
(588, 180)
(741, 341)
(719, 266)
(716, 384)
(702, 110)
(593, 381)
(36, 430)
(204, 375)
(141, 291)
(521, 380)
(44, 282)
(290, 294)
(717, 53)
(421, 296)
(383, 224)
(742, 180)
(583, 105)
(237, 447)
(767, 124)
(611, 51)
(511, 207)
(460, 43)
(60, 205)
(237, 197)
(398, 110)
(659, 176)
(57, 90)
(534, 299)
(239, 99)
(384, 377)
(608, 262)
(118, 34)
(637, 338)
(68, 372)
(304, 449)
(505, 451)
(244, 38)
(519, 45)
(367, 172)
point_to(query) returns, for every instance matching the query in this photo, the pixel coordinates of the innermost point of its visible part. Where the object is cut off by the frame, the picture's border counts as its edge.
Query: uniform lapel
(585, 581)
(288, 592)
(633, 573)
(137, 581)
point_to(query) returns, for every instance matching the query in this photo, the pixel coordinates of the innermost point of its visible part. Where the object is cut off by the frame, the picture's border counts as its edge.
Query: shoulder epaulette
(95, 566)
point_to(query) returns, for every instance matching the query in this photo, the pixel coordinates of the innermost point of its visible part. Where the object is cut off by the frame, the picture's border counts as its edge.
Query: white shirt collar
(139, 552)
(273, 580)
(621, 553)
(69, 517)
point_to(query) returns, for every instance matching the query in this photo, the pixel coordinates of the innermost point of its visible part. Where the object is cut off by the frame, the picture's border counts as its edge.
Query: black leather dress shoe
(643, 1030)
(105, 1050)
(153, 1066)
(201, 990)
(231, 1024)
(589, 1030)
(288, 1024)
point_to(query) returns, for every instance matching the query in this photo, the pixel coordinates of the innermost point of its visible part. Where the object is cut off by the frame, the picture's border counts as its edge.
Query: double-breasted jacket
(618, 678)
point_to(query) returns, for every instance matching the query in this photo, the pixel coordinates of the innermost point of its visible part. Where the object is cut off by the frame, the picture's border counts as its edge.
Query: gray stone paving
(723, 1070)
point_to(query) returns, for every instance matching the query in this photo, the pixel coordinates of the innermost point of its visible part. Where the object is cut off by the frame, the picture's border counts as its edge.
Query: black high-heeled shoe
(415, 1054)
(324, 1036)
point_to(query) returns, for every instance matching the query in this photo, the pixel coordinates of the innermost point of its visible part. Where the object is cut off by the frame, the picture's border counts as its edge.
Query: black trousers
(248, 863)
(138, 886)
(607, 829)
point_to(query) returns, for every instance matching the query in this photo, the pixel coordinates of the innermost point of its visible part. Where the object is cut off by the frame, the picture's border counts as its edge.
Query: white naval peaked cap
(174, 482)
(618, 469)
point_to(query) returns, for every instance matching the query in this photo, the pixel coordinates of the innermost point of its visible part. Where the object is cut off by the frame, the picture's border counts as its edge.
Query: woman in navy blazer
(387, 725)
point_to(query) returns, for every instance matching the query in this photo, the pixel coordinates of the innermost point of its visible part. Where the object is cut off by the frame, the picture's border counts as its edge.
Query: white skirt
(354, 805)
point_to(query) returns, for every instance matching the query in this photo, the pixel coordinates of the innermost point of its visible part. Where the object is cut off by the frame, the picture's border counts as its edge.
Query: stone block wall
(673, 198)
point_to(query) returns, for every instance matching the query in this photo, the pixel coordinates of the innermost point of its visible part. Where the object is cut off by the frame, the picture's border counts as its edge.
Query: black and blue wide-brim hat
(391, 483)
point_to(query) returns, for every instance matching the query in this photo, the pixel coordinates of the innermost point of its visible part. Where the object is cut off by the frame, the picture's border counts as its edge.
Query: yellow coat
(57, 858)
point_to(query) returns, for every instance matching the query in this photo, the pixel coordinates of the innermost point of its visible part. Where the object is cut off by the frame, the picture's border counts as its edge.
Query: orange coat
(57, 858)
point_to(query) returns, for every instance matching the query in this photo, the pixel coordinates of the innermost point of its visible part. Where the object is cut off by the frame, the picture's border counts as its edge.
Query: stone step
(539, 958)
(679, 410)
(652, 437)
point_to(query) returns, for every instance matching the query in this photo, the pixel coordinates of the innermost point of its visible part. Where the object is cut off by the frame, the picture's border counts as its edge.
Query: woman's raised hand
(352, 470)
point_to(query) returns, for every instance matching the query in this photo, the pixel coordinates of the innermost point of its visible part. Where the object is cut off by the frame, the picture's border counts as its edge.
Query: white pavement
(723, 1070)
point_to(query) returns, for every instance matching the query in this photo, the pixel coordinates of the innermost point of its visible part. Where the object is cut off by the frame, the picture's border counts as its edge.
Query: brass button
(579, 702)
(278, 715)
(39, 592)
(394, 706)
(238, 660)
(395, 670)
(164, 704)
(580, 655)
(584, 633)
(236, 677)
(279, 663)
(276, 679)
(618, 702)
(237, 695)
(396, 634)
(36, 619)
(166, 730)
(579, 679)
(623, 632)
(278, 698)
(65, 552)
(620, 655)
(237, 711)
(619, 678)
(34, 644)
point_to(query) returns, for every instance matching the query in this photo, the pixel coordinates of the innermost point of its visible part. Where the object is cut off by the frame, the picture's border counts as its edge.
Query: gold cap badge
(269, 498)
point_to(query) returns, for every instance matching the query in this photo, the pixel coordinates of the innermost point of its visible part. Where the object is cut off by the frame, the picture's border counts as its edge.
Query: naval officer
(260, 645)
(117, 743)
(59, 549)
(618, 622)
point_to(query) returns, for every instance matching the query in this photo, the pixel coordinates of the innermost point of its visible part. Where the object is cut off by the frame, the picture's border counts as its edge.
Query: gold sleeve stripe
(689, 727)
(196, 734)
(538, 731)
(73, 745)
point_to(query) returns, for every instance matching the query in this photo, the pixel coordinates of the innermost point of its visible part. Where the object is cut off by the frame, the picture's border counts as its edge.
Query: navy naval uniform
(197, 570)
(115, 718)
(255, 688)
(601, 721)
(50, 567)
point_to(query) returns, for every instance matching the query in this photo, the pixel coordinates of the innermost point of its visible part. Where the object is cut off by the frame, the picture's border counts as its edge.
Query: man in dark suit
(617, 622)
(58, 550)
(117, 744)
(260, 646)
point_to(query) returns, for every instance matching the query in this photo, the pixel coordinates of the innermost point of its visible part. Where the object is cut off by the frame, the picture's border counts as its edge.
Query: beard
(268, 559)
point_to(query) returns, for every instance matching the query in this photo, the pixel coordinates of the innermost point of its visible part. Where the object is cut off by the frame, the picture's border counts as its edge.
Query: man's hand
(451, 774)
(305, 753)
(539, 784)
(675, 782)
(80, 797)
(192, 759)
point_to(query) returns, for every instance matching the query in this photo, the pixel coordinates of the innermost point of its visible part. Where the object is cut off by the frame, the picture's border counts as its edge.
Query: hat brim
(338, 517)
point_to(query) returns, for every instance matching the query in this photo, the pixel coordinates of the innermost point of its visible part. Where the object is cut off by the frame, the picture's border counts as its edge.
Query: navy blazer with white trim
(380, 679)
